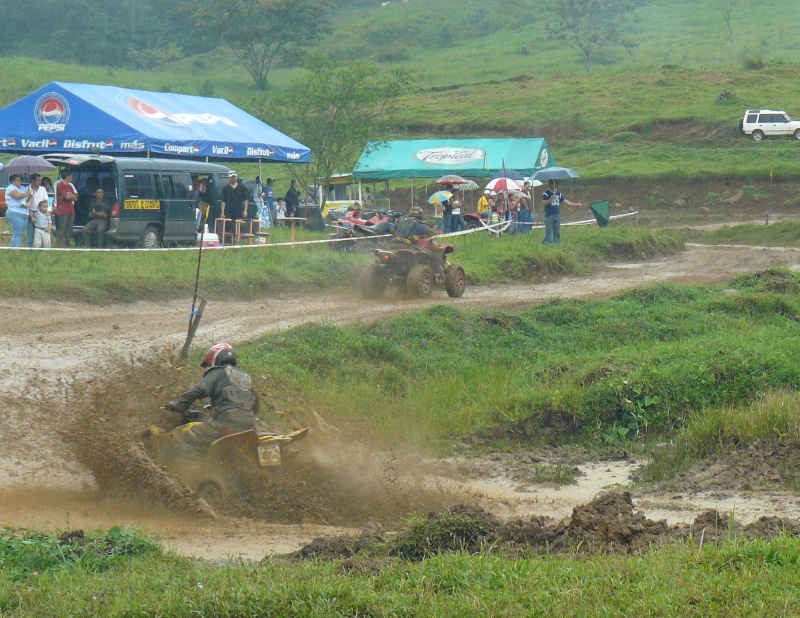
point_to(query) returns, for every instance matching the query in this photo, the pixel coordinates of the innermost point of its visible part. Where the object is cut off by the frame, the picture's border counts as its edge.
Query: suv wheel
(797, 134)
(419, 282)
(151, 238)
(758, 135)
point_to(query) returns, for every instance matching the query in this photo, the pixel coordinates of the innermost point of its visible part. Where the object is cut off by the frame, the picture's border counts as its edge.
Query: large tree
(593, 27)
(260, 31)
(335, 109)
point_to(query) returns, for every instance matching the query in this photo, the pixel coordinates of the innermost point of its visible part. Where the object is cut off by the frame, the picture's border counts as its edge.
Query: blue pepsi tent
(82, 118)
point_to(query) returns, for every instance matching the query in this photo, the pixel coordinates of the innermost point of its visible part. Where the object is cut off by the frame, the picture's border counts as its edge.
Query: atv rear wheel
(372, 281)
(455, 280)
(215, 489)
(419, 282)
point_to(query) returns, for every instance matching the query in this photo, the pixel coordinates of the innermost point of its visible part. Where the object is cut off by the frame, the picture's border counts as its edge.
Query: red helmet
(218, 355)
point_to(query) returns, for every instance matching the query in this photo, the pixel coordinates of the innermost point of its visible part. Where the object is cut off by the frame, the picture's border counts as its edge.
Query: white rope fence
(494, 228)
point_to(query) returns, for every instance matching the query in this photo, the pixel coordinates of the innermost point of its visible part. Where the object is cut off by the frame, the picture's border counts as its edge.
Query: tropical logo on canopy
(190, 123)
(449, 156)
(544, 158)
(51, 113)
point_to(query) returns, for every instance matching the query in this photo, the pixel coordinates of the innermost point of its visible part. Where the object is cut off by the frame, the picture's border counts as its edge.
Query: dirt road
(53, 348)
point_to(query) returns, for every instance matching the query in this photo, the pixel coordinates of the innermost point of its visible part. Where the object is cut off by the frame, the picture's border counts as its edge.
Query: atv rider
(411, 228)
(234, 403)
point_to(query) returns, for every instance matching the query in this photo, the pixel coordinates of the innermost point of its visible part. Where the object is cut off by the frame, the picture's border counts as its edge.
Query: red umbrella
(451, 179)
(503, 184)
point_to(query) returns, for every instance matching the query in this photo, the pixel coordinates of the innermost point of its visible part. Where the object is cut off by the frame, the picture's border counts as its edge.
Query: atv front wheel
(419, 282)
(455, 281)
(372, 281)
(215, 489)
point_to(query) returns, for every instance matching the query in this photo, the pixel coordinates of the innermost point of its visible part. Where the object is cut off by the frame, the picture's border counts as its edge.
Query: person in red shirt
(66, 196)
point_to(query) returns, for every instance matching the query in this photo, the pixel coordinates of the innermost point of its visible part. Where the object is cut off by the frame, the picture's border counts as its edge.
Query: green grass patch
(735, 578)
(634, 366)
(781, 234)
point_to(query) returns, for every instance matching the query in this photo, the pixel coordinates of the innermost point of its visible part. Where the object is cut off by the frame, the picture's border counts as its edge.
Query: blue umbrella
(555, 173)
(439, 197)
(512, 174)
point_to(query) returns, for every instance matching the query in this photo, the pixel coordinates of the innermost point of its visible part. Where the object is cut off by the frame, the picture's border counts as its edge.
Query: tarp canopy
(432, 158)
(82, 118)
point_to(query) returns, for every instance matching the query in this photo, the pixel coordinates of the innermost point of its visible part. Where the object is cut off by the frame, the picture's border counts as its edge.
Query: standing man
(39, 195)
(293, 200)
(552, 199)
(235, 198)
(269, 200)
(66, 196)
(97, 225)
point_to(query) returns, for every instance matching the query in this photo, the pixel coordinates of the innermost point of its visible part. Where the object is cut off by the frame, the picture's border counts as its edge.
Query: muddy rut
(62, 351)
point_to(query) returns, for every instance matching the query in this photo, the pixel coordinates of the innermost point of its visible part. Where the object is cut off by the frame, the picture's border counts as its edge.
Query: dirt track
(63, 344)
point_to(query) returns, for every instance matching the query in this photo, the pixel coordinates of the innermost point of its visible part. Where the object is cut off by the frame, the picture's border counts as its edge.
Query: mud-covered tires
(372, 281)
(216, 489)
(419, 282)
(455, 281)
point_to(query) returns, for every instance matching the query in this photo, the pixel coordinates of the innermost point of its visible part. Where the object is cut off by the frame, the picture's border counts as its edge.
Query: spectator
(39, 194)
(483, 204)
(235, 198)
(43, 225)
(97, 225)
(552, 199)
(457, 223)
(293, 200)
(18, 199)
(66, 196)
(525, 217)
(280, 212)
(447, 216)
(438, 213)
(269, 200)
(368, 198)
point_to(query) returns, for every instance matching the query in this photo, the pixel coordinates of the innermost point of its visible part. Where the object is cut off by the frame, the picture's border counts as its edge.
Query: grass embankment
(782, 234)
(608, 371)
(107, 277)
(735, 578)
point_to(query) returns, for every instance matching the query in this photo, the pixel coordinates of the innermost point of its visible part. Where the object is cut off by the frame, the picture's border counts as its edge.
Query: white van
(761, 123)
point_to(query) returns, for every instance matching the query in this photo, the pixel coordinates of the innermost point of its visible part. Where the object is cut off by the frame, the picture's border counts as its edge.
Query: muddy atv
(413, 267)
(230, 460)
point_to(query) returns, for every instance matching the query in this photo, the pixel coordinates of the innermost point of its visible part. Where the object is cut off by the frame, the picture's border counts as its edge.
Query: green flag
(601, 212)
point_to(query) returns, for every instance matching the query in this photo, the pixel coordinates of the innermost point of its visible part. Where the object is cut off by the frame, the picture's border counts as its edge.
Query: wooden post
(194, 322)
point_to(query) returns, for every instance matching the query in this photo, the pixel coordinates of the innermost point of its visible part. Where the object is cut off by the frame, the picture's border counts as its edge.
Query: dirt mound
(769, 464)
(607, 524)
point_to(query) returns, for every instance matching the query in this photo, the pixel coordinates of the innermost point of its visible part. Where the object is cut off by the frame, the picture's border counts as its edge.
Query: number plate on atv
(269, 455)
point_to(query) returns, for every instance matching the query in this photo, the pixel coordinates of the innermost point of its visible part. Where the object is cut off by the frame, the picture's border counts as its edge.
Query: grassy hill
(668, 110)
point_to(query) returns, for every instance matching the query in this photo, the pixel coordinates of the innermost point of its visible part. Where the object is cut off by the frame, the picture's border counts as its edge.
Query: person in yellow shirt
(483, 203)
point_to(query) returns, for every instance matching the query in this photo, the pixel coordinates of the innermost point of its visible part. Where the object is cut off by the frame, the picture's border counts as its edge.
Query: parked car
(761, 123)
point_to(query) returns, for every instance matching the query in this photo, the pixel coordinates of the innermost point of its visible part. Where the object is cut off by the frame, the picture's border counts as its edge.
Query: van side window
(751, 118)
(139, 186)
(174, 186)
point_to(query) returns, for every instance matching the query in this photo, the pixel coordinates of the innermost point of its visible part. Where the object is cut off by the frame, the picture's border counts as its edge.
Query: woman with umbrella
(18, 200)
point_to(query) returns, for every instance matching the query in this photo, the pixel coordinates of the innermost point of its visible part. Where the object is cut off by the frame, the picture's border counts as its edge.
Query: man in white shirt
(39, 194)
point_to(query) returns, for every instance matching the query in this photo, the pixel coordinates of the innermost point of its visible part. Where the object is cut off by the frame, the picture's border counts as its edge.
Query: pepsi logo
(51, 113)
(109, 143)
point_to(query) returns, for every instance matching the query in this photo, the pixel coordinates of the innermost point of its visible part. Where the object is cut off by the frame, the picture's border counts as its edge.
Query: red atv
(415, 268)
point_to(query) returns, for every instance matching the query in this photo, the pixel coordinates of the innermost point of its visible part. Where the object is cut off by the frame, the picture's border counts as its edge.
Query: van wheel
(758, 135)
(797, 134)
(151, 238)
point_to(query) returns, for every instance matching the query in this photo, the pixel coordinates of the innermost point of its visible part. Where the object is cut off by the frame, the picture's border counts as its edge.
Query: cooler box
(209, 240)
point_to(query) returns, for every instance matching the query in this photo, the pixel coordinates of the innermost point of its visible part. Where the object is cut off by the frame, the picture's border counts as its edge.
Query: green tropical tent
(471, 158)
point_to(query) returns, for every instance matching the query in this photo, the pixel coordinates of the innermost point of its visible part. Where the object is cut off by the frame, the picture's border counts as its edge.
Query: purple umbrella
(27, 164)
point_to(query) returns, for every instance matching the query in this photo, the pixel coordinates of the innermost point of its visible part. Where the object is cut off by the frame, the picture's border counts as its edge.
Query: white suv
(761, 123)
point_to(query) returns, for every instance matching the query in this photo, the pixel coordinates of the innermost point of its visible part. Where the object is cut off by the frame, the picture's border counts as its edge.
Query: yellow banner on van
(142, 204)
